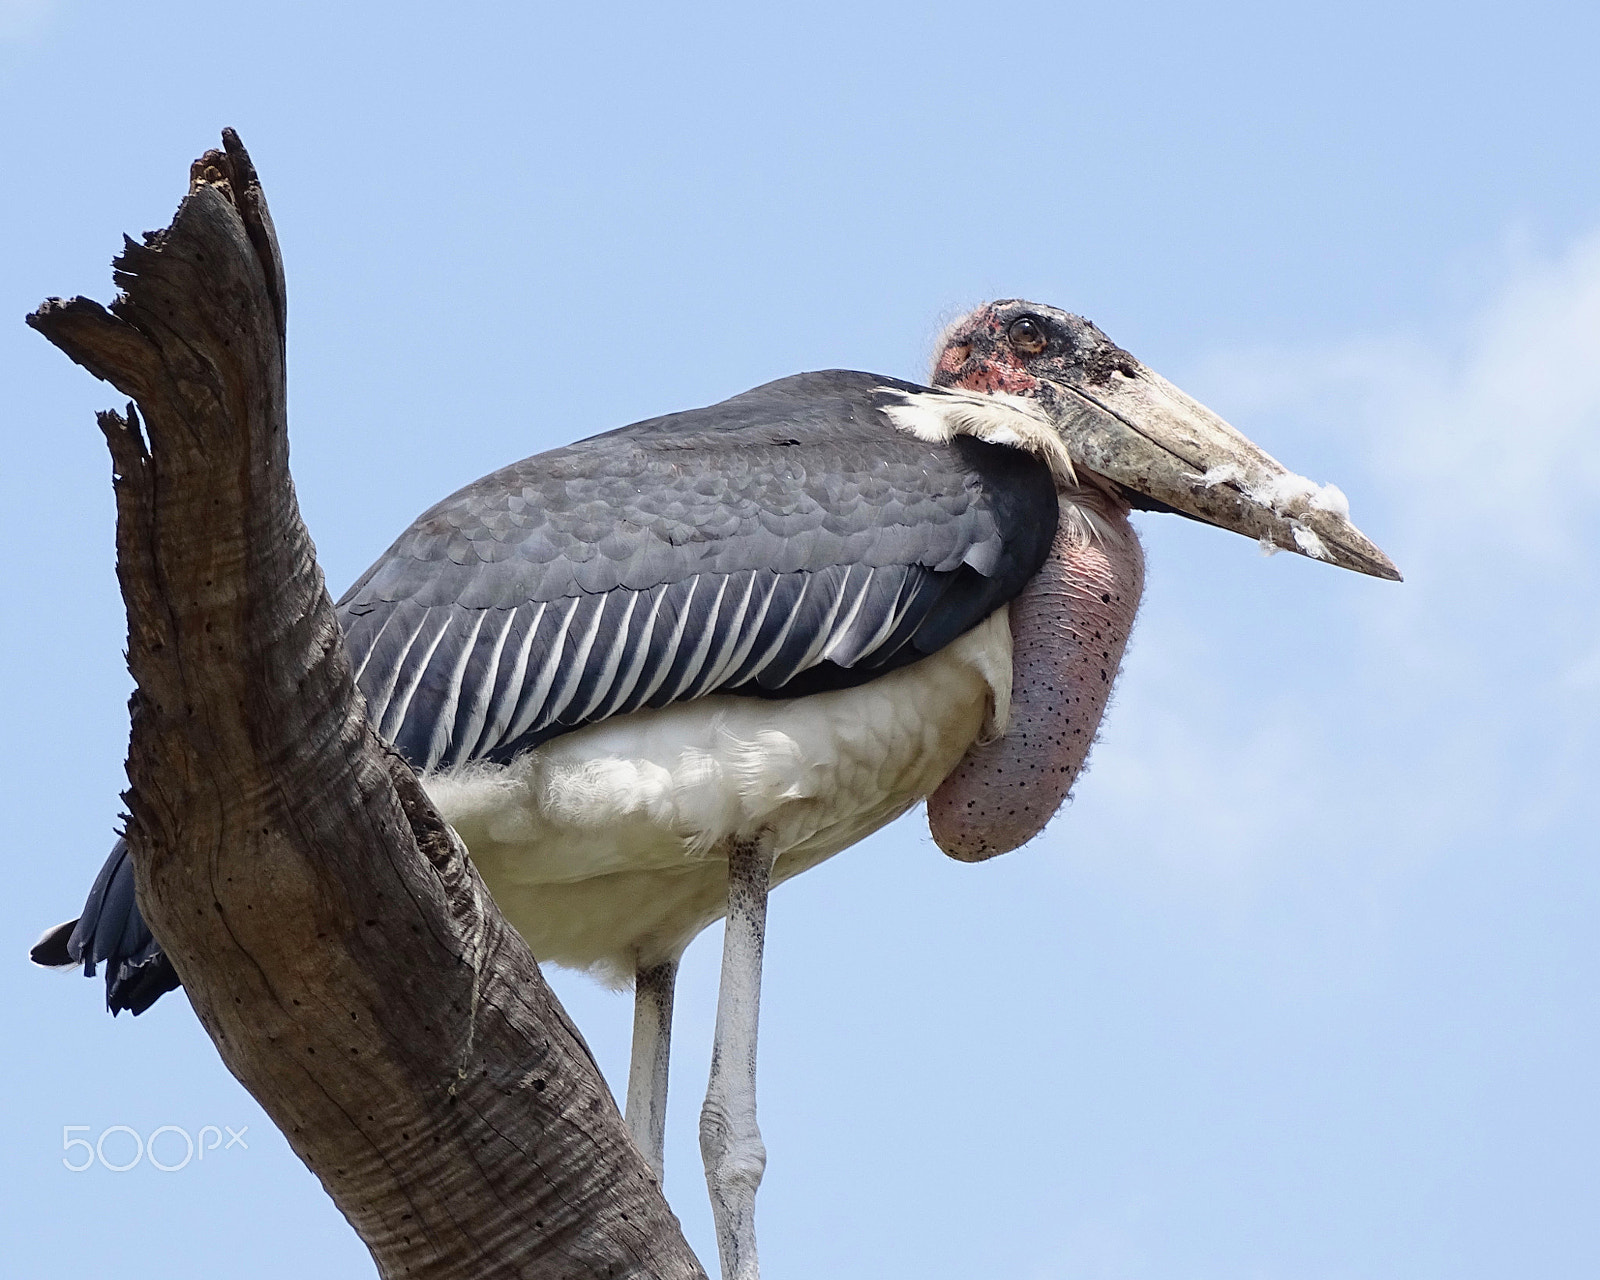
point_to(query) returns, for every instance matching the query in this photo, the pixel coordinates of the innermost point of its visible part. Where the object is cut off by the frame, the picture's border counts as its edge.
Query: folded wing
(783, 542)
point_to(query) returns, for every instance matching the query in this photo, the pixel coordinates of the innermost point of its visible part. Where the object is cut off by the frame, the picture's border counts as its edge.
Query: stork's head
(1155, 447)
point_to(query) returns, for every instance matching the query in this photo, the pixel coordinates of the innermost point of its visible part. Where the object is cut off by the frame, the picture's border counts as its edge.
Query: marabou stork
(649, 675)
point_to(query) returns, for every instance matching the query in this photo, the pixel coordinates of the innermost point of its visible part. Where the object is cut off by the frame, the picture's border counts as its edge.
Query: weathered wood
(334, 940)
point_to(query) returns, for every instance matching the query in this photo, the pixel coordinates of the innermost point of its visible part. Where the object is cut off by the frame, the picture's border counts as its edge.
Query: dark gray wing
(786, 541)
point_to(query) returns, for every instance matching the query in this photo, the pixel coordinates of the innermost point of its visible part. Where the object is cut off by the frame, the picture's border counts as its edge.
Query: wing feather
(694, 639)
(509, 674)
(600, 674)
(444, 681)
(782, 617)
(628, 694)
(741, 664)
(570, 672)
(733, 630)
(410, 672)
(549, 641)
(476, 696)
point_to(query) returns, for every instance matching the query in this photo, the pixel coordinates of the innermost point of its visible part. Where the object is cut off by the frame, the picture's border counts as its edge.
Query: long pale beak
(1134, 427)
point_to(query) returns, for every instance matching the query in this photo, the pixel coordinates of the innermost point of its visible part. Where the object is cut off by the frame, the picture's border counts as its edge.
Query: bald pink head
(976, 356)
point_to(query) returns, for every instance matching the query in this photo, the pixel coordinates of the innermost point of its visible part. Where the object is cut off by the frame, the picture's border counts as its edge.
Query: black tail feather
(112, 932)
(51, 950)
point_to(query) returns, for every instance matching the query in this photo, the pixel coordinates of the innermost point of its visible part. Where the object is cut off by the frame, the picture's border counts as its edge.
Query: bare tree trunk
(335, 941)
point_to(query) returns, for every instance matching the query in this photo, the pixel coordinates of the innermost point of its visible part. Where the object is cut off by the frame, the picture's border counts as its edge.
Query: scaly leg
(652, 1048)
(730, 1143)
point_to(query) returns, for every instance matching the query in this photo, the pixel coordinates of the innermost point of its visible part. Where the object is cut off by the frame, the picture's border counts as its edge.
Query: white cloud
(1489, 436)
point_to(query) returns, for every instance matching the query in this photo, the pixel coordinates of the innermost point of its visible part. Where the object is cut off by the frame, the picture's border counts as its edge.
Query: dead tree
(333, 937)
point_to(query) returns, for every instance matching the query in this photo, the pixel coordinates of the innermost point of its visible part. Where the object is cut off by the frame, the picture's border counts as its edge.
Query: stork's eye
(1027, 336)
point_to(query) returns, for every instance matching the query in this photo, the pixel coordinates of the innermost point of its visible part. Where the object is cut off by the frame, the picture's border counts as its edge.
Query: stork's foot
(730, 1142)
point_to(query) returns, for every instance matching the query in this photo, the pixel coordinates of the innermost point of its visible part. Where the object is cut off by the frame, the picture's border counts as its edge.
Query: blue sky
(1302, 986)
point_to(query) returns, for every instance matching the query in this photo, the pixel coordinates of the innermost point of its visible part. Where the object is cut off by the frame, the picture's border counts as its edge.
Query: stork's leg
(730, 1143)
(652, 1048)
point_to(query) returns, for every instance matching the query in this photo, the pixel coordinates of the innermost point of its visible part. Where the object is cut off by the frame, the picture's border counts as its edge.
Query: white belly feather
(604, 846)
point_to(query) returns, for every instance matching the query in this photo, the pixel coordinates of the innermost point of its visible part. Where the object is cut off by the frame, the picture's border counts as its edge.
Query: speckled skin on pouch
(1069, 628)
